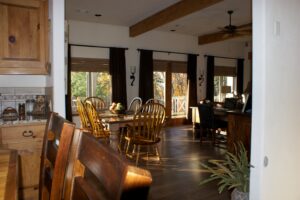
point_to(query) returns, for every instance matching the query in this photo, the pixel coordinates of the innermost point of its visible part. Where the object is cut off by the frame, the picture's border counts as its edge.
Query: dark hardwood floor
(179, 173)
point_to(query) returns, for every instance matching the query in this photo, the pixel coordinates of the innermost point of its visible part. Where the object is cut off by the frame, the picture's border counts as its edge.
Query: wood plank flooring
(179, 173)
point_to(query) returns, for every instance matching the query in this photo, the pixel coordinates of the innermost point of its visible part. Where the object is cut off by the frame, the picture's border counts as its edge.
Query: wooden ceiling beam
(171, 13)
(220, 36)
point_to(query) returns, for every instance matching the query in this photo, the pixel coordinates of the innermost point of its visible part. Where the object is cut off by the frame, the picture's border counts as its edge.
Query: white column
(58, 69)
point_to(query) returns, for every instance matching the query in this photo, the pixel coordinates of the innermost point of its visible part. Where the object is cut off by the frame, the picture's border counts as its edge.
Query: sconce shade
(132, 69)
(225, 89)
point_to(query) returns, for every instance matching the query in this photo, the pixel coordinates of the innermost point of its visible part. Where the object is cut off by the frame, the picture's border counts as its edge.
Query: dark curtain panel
(240, 76)
(192, 76)
(146, 75)
(68, 96)
(210, 78)
(117, 70)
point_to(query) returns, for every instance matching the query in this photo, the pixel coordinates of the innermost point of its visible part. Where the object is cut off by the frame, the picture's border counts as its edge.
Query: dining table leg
(114, 136)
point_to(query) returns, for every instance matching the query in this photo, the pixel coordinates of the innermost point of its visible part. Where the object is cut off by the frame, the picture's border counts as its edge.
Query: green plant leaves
(232, 172)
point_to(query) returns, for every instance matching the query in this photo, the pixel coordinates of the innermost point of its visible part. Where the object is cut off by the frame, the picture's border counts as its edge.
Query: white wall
(276, 94)
(22, 81)
(118, 36)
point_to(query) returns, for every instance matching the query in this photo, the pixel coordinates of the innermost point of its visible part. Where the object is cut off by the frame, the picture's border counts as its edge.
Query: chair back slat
(51, 152)
(97, 102)
(54, 156)
(82, 190)
(84, 120)
(106, 174)
(152, 101)
(109, 162)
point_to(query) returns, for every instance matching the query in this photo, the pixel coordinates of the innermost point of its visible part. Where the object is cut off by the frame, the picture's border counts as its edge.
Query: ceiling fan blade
(245, 26)
(245, 32)
(221, 36)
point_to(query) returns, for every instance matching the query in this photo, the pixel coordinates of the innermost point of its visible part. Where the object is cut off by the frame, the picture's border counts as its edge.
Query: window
(79, 84)
(159, 83)
(102, 87)
(225, 82)
(170, 86)
(90, 77)
(219, 83)
(179, 94)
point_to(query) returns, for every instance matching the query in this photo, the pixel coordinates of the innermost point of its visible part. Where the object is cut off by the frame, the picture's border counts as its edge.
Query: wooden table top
(113, 120)
(8, 174)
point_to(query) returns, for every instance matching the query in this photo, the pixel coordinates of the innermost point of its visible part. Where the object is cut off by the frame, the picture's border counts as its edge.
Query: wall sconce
(132, 77)
(201, 77)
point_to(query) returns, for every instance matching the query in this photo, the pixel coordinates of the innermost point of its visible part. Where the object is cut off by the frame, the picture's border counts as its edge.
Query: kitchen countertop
(22, 122)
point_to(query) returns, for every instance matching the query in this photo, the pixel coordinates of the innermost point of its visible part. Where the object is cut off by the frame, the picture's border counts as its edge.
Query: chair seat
(142, 141)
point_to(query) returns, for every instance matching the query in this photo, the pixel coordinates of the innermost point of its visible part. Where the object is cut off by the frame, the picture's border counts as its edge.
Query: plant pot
(238, 195)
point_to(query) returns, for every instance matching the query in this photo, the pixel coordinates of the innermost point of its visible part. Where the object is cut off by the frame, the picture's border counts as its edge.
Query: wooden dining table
(115, 123)
(8, 174)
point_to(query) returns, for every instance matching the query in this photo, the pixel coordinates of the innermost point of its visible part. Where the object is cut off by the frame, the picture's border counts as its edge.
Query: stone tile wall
(13, 96)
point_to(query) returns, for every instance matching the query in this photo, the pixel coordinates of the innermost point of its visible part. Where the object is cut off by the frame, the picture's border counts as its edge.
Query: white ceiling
(129, 12)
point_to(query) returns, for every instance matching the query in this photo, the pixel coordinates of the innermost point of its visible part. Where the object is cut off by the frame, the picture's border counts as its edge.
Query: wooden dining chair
(134, 105)
(210, 125)
(97, 127)
(84, 120)
(152, 101)
(145, 129)
(97, 102)
(56, 144)
(106, 175)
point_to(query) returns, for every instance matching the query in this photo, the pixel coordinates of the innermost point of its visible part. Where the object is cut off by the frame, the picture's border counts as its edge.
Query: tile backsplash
(12, 96)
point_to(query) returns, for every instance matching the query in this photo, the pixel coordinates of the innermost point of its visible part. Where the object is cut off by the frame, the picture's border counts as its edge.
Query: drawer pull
(27, 134)
(12, 39)
(33, 136)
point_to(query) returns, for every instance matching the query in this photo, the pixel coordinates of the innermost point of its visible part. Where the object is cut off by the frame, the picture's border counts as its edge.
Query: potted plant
(233, 173)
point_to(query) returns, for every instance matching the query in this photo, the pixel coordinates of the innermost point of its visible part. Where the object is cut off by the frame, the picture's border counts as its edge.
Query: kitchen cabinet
(28, 140)
(24, 37)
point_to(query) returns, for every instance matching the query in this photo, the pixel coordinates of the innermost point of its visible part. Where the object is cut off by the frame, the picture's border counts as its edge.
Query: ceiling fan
(227, 32)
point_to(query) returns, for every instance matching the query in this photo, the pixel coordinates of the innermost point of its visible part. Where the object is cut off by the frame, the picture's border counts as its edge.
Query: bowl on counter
(9, 114)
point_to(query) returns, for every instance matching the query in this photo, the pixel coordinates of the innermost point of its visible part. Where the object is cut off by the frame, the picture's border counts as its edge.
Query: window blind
(89, 65)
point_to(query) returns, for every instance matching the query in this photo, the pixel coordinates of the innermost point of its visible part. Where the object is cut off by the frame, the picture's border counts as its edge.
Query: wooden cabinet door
(28, 141)
(23, 37)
